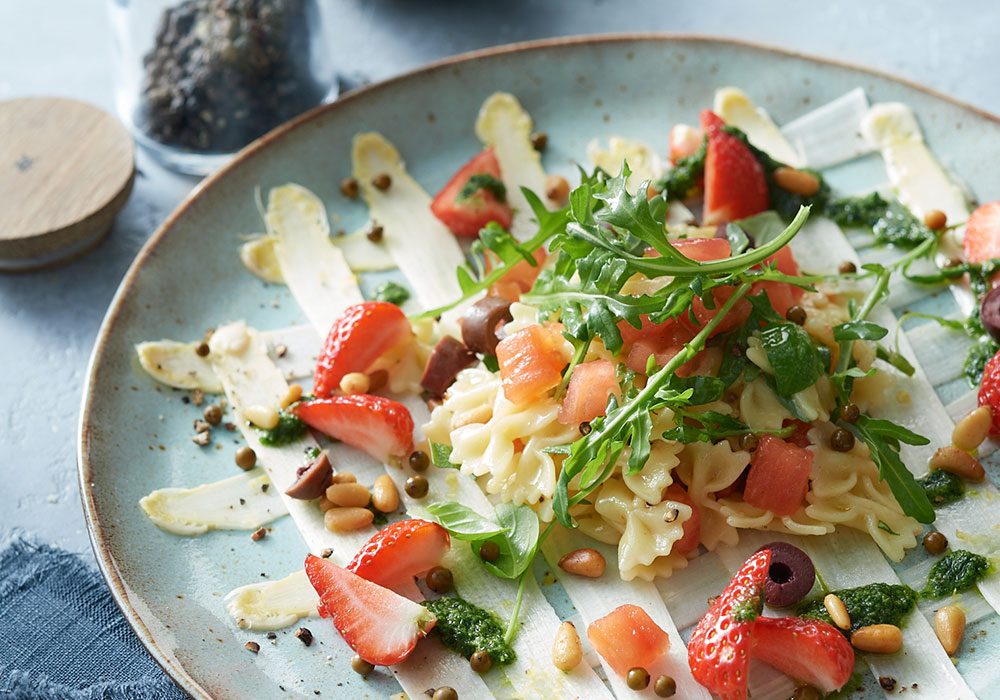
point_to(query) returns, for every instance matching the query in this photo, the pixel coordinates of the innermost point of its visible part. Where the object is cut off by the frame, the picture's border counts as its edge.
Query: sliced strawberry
(709, 120)
(735, 185)
(400, 551)
(982, 234)
(465, 216)
(684, 141)
(989, 391)
(718, 651)
(811, 651)
(381, 626)
(381, 427)
(627, 637)
(364, 333)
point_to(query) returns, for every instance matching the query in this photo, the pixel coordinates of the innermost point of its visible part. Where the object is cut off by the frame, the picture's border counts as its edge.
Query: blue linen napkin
(61, 635)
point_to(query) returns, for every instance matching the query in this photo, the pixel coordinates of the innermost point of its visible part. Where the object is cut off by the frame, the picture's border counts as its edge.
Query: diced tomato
(627, 637)
(692, 526)
(779, 476)
(782, 296)
(685, 140)
(785, 261)
(670, 333)
(703, 249)
(704, 363)
(800, 436)
(519, 279)
(736, 317)
(467, 217)
(531, 362)
(587, 394)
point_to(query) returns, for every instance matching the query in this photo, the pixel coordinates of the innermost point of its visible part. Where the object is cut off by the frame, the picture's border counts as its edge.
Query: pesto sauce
(289, 429)
(683, 177)
(942, 487)
(876, 603)
(465, 628)
(890, 221)
(482, 181)
(955, 572)
(392, 292)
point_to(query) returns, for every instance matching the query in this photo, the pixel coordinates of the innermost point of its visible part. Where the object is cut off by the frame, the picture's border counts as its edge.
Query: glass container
(196, 80)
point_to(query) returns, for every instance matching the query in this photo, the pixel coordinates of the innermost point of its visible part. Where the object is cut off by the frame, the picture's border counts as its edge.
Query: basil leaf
(859, 330)
(738, 239)
(793, 358)
(763, 227)
(693, 391)
(518, 542)
(463, 523)
(441, 456)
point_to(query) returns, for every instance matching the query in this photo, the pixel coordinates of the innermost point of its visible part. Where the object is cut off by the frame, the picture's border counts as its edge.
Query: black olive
(790, 575)
(989, 311)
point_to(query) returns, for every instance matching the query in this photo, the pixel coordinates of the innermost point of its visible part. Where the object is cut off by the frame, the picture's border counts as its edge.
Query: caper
(349, 187)
(419, 461)
(212, 414)
(749, 442)
(202, 349)
(842, 440)
(360, 666)
(935, 542)
(539, 140)
(245, 458)
(445, 692)
(850, 412)
(489, 551)
(416, 486)
(637, 678)
(665, 687)
(847, 268)
(481, 661)
(439, 579)
(796, 315)
(382, 181)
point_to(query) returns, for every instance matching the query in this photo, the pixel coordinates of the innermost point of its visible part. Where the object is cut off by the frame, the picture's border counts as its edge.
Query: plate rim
(106, 562)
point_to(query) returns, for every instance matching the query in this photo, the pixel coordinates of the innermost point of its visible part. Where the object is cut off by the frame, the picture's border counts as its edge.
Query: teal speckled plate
(136, 436)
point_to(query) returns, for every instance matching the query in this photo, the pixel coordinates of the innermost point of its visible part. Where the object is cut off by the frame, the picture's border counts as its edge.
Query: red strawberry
(364, 333)
(381, 626)
(982, 233)
(718, 651)
(735, 186)
(989, 391)
(381, 427)
(465, 216)
(398, 552)
(811, 651)
(709, 120)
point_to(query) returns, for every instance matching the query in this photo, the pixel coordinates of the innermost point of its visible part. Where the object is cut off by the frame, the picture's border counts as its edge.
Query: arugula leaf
(441, 456)
(859, 330)
(464, 523)
(793, 357)
(883, 439)
(482, 181)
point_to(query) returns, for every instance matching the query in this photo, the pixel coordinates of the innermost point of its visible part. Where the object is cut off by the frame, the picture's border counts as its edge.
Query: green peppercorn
(245, 458)
(796, 315)
(665, 687)
(842, 440)
(585, 428)
(637, 678)
(212, 414)
(445, 692)
(416, 486)
(539, 140)
(360, 666)
(375, 233)
(850, 413)
(489, 551)
(201, 349)
(480, 661)
(749, 442)
(382, 181)
(439, 579)
(848, 268)
(419, 461)
(349, 187)
(935, 542)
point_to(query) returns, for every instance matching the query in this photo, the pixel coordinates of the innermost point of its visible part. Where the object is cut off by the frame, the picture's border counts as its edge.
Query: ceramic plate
(136, 436)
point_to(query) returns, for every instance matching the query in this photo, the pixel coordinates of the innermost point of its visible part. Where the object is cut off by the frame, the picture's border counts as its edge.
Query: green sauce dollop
(465, 627)
(289, 429)
(891, 222)
(874, 604)
(392, 292)
(942, 487)
(955, 572)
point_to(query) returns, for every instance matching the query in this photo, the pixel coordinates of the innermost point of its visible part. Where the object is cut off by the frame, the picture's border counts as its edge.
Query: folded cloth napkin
(61, 635)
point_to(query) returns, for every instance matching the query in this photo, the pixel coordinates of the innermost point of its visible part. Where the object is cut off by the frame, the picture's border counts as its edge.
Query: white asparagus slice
(362, 254)
(241, 502)
(178, 365)
(423, 248)
(505, 125)
(324, 284)
(831, 134)
(641, 158)
(737, 109)
(294, 350)
(941, 351)
(258, 256)
(273, 605)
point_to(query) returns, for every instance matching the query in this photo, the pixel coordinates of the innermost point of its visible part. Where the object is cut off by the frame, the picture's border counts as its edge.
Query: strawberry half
(811, 651)
(982, 234)
(364, 333)
(735, 185)
(381, 626)
(989, 391)
(381, 427)
(465, 212)
(719, 648)
(400, 551)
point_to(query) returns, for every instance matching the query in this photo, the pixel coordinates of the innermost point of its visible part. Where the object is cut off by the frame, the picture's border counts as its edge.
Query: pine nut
(557, 189)
(343, 478)
(951, 459)
(584, 562)
(325, 504)
(949, 625)
(837, 611)
(347, 519)
(566, 650)
(970, 432)
(935, 219)
(796, 181)
(385, 497)
(293, 394)
(348, 495)
(355, 383)
(879, 639)
(265, 417)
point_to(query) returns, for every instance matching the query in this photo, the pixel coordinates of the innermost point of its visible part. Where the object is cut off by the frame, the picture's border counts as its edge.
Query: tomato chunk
(779, 476)
(627, 637)
(703, 249)
(692, 526)
(531, 363)
(519, 279)
(661, 335)
(587, 394)
(466, 216)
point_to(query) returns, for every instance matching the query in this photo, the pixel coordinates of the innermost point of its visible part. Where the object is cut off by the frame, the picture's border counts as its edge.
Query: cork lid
(66, 169)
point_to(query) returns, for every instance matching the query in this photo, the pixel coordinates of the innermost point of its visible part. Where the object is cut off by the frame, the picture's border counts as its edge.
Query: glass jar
(196, 80)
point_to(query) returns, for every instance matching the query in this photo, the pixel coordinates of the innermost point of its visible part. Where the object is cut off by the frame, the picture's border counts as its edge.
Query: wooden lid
(66, 169)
